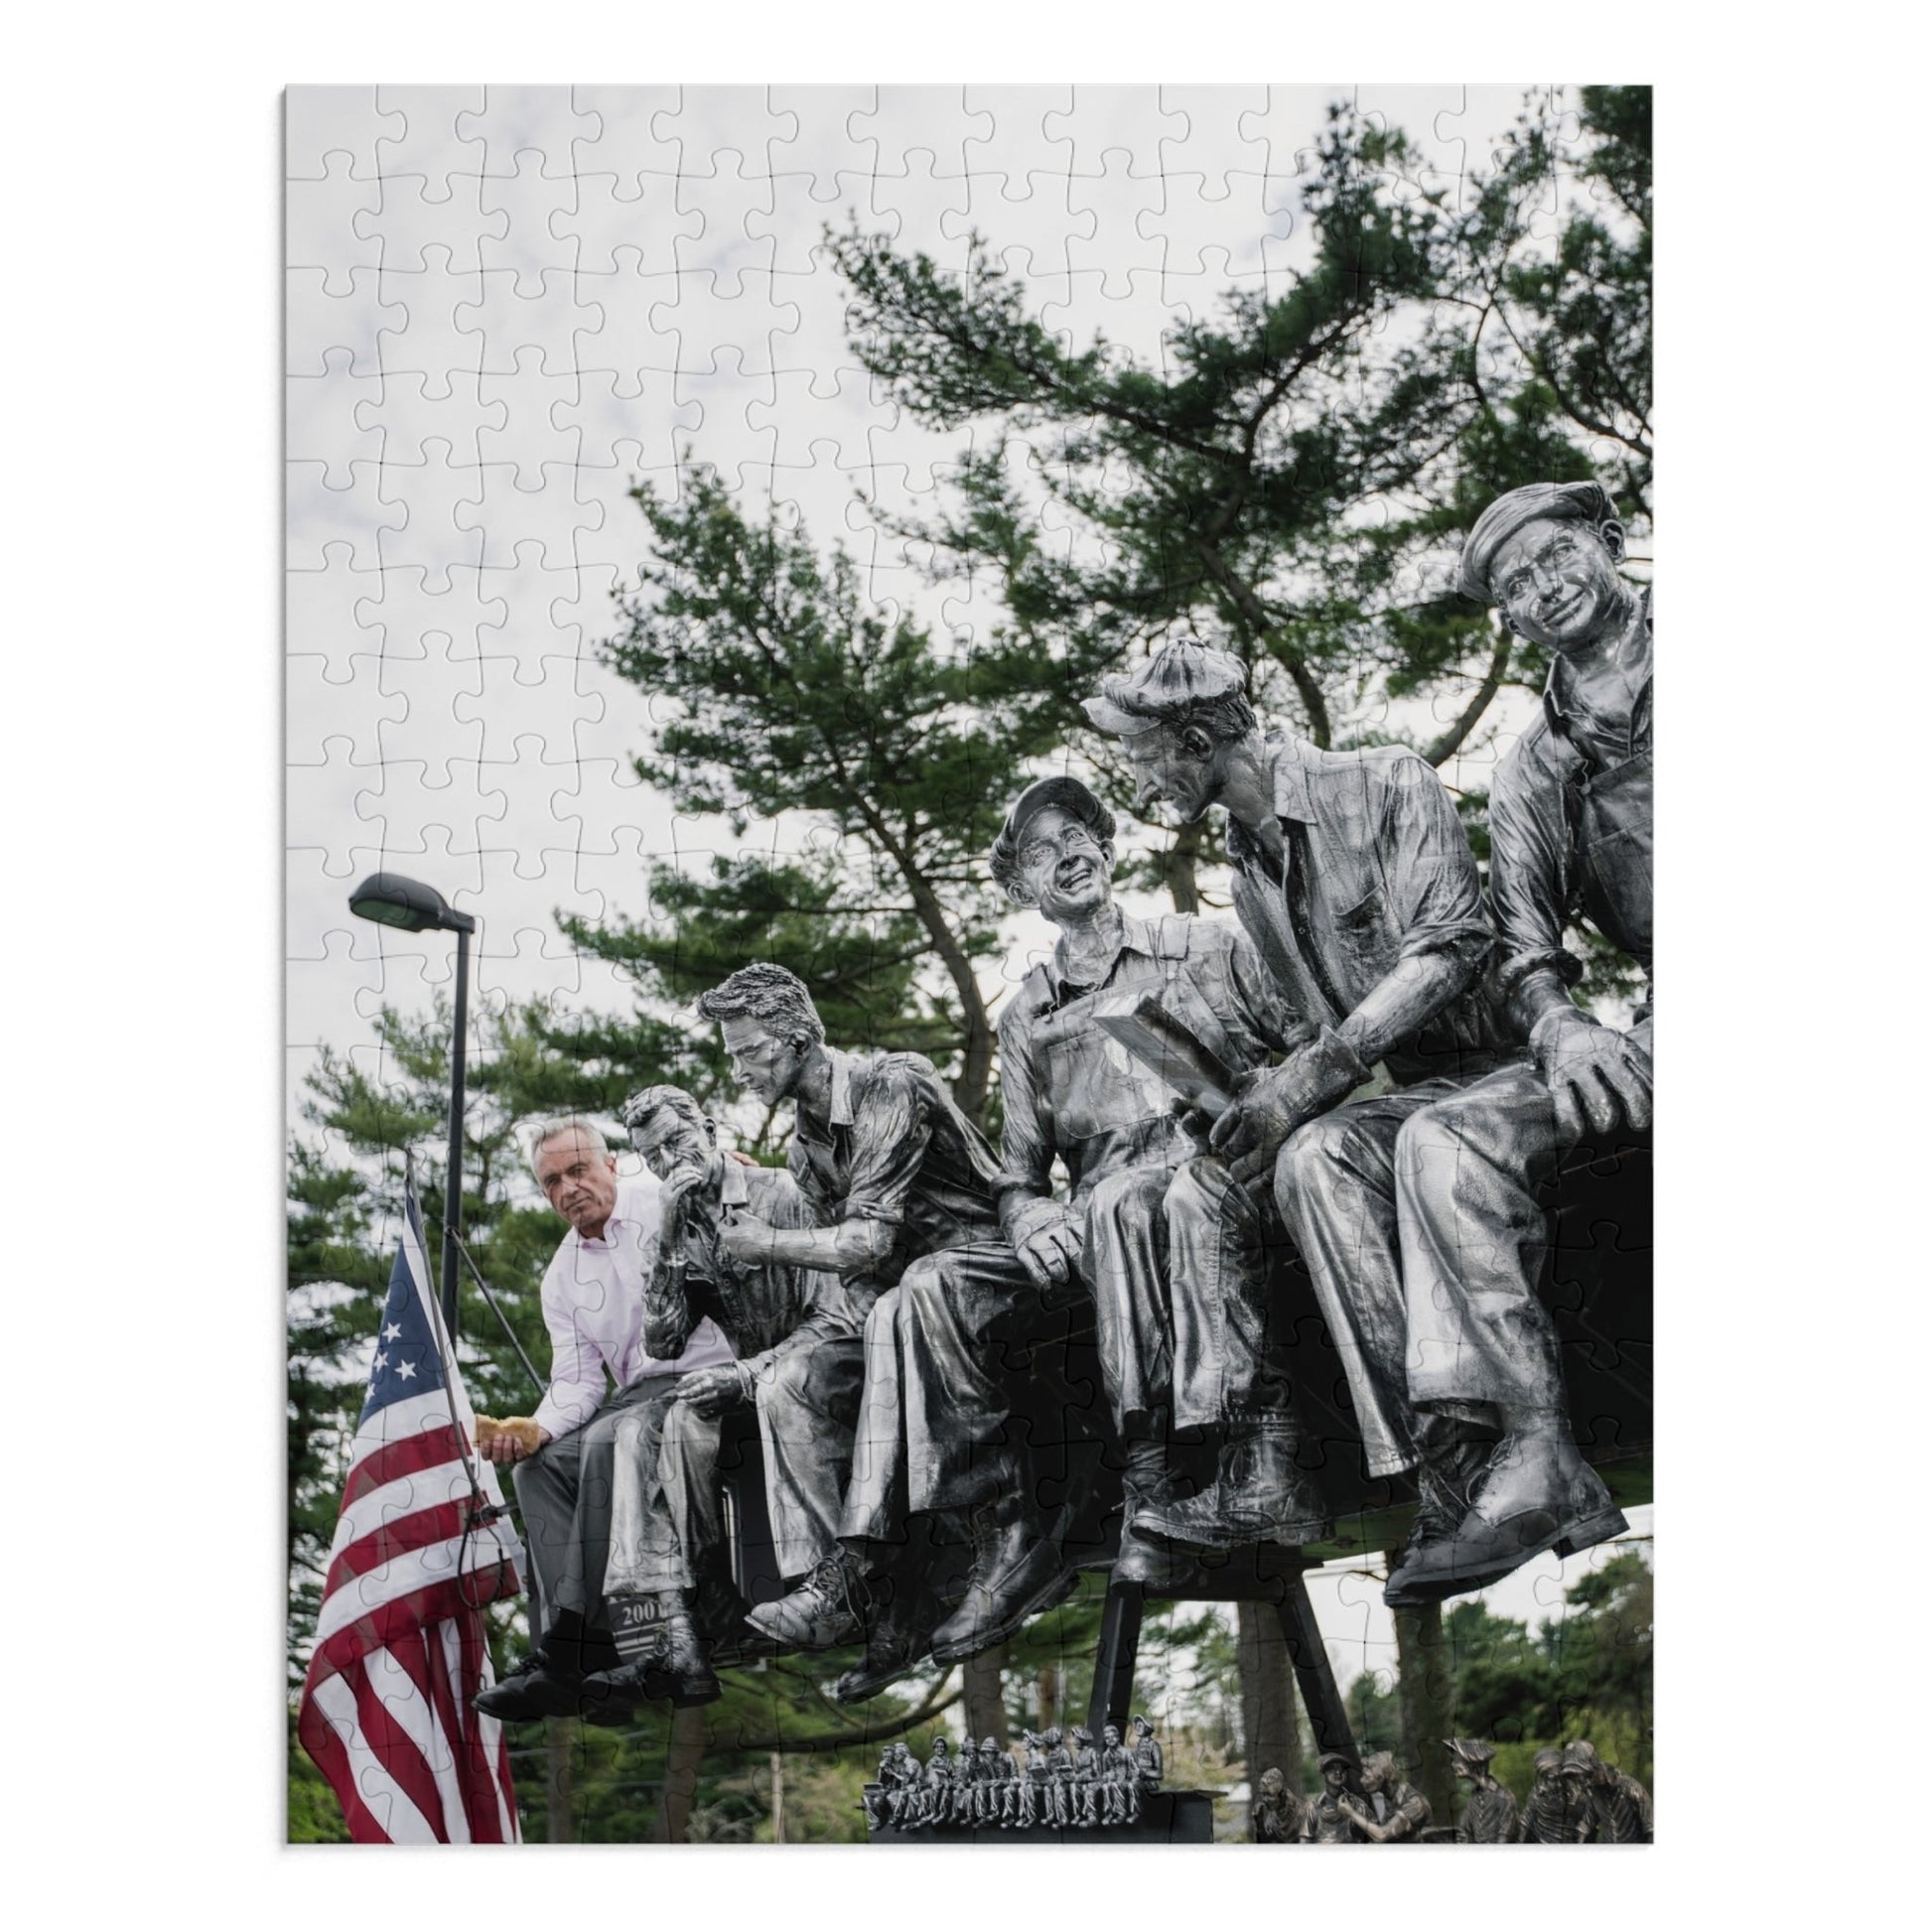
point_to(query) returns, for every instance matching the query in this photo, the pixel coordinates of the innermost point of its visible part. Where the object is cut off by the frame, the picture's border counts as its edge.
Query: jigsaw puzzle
(968, 912)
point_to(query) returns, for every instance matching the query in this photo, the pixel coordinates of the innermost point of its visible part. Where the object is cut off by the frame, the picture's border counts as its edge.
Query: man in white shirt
(600, 1372)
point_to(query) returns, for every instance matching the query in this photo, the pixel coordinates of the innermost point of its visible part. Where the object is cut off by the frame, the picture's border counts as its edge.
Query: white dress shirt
(593, 1307)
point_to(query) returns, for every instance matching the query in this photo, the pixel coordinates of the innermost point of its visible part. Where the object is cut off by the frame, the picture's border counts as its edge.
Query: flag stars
(393, 1332)
(406, 1370)
(381, 1361)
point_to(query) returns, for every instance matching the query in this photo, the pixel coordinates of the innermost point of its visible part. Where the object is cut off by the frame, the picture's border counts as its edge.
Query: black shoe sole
(1565, 1540)
(1294, 1536)
(858, 1686)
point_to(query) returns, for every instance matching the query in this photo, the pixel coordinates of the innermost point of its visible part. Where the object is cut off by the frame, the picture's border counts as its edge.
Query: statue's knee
(1433, 1145)
(790, 1380)
(1129, 1200)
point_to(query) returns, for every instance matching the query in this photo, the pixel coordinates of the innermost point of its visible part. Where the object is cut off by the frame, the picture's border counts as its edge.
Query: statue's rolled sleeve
(1026, 1140)
(1529, 865)
(1435, 890)
(892, 1129)
(669, 1317)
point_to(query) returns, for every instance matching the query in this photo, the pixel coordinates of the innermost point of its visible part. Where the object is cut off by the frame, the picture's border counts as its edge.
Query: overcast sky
(506, 305)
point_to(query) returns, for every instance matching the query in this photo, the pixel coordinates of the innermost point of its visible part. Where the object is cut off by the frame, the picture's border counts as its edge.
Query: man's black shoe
(529, 1690)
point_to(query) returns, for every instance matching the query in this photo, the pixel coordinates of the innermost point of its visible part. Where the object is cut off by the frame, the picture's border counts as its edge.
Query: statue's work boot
(827, 1610)
(1450, 1468)
(660, 1655)
(1258, 1495)
(1149, 1477)
(530, 1688)
(900, 1638)
(1538, 1494)
(1158, 1567)
(1018, 1572)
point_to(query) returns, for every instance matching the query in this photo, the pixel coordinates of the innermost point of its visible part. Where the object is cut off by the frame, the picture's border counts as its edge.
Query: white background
(145, 758)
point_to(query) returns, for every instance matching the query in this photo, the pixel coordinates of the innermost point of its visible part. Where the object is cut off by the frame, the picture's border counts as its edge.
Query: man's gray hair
(555, 1128)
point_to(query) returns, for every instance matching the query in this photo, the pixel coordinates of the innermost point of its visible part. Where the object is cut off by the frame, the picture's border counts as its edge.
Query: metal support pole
(1112, 1697)
(452, 1186)
(1327, 1714)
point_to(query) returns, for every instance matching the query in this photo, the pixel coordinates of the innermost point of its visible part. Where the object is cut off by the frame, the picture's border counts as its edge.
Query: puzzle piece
(507, 306)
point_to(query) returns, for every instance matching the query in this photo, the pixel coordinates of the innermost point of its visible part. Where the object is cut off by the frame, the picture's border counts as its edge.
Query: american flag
(400, 1645)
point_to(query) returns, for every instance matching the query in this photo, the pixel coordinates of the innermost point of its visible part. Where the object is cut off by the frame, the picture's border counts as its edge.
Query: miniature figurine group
(1065, 1782)
(1578, 1799)
(861, 1305)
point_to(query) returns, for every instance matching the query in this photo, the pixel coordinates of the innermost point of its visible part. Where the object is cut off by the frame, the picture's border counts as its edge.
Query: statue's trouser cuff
(807, 1407)
(1335, 1190)
(566, 1494)
(1230, 1353)
(1473, 1172)
(668, 1518)
(932, 1416)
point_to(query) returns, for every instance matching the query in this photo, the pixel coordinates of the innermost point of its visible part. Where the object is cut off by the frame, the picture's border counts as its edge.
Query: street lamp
(390, 900)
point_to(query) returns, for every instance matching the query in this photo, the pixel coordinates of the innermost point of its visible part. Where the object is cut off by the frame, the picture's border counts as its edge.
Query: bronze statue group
(1372, 1067)
(1577, 1799)
(1067, 1782)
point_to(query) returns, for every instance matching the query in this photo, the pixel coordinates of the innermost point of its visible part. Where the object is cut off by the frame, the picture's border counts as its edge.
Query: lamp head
(408, 905)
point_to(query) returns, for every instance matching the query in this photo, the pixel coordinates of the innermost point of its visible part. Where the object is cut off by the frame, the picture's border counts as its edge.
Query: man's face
(1373, 1779)
(1110, 1735)
(579, 1179)
(1548, 1776)
(1184, 768)
(671, 1145)
(1063, 868)
(1556, 580)
(1334, 1776)
(765, 1065)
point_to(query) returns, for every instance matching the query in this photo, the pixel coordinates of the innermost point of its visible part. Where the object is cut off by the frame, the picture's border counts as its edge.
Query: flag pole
(453, 1184)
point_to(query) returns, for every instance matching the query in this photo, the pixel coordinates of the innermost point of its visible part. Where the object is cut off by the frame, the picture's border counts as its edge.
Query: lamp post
(390, 900)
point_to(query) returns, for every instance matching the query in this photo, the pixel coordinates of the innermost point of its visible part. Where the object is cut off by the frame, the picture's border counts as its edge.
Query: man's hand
(1269, 1105)
(511, 1440)
(711, 1391)
(1046, 1238)
(745, 1238)
(1596, 1076)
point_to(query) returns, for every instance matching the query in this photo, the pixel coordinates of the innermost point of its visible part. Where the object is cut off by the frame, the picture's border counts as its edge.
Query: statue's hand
(1269, 1106)
(1046, 1238)
(711, 1391)
(1597, 1077)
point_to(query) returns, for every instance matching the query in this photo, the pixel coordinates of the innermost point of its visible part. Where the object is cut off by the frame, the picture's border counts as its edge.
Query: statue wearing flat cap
(1354, 879)
(1570, 828)
(1075, 1102)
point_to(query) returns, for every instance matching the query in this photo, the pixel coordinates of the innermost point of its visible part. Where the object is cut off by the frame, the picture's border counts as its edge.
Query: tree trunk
(1270, 1735)
(1424, 1694)
(1178, 868)
(778, 1797)
(1047, 1689)
(681, 1773)
(985, 1695)
(559, 1735)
